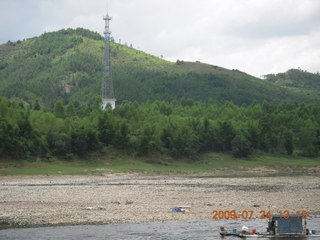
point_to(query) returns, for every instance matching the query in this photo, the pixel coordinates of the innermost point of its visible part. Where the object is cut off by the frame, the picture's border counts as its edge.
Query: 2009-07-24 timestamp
(248, 214)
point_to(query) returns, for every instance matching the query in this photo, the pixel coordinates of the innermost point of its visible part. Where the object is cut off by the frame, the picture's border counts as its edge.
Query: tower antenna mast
(107, 92)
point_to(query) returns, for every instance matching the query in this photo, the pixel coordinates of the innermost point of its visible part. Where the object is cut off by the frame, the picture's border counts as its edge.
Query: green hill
(299, 81)
(295, 78)
(67, 64)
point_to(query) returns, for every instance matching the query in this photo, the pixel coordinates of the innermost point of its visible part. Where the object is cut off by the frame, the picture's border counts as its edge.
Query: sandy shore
(120, 198)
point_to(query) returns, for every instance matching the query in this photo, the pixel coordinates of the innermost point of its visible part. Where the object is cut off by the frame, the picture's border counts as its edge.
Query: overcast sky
(255, 36)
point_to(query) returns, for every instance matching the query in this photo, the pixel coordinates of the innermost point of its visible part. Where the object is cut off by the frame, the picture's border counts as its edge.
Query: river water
(192, 229)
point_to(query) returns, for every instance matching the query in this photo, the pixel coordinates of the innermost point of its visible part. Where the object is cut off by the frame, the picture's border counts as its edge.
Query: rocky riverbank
(120, 198)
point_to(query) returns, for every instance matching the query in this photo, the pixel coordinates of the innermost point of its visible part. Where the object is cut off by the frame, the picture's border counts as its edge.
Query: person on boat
(271, 227)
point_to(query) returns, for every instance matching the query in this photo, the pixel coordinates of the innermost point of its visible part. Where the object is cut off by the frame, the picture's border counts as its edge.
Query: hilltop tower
(107, 93)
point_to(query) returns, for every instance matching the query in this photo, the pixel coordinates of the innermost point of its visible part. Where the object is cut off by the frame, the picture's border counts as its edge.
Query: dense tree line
(181, 128)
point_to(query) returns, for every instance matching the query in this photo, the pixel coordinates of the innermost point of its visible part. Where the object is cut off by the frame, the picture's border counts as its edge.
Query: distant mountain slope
(68, 64)
(295, 78)
(298, 81)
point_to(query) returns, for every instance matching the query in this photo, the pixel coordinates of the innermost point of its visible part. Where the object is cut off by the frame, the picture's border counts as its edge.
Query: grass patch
(117, 162)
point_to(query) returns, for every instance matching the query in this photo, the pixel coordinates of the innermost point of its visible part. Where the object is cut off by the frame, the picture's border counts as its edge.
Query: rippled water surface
(197, 229)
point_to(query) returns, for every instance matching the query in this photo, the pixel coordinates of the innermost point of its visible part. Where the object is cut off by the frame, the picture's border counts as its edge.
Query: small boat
(267, 235)
(288, 227)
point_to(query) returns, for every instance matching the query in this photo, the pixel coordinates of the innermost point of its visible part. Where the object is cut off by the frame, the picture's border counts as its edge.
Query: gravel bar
(133, 198)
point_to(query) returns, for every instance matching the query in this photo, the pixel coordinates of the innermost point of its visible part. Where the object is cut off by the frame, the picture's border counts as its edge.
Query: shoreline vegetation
(211, 164)
(183, 129)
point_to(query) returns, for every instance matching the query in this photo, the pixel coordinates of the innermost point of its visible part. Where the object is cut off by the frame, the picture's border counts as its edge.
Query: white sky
(255, 36)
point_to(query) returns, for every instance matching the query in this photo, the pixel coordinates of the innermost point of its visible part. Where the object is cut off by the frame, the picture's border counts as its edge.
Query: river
(191, 229)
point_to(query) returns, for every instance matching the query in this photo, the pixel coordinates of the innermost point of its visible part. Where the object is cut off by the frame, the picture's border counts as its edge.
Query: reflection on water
(197, 229)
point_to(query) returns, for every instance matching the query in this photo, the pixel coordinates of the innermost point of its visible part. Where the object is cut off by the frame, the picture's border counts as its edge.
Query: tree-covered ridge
(67, 64)
(296, 78)
(182, 128)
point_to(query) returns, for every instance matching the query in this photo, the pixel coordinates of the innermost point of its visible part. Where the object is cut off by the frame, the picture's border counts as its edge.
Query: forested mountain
(67, 64)
(179, 109)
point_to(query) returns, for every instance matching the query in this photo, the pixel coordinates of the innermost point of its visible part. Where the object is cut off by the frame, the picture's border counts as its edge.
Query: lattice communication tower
(107, 92)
